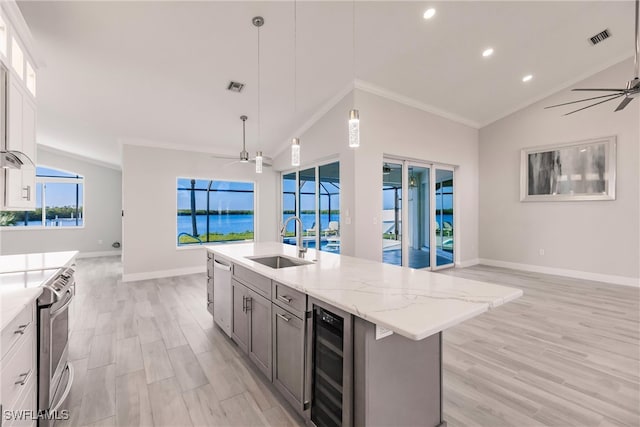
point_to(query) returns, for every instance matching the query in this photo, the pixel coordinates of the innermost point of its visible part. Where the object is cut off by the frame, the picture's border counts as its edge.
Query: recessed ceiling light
(429, 13)
(527, 78)
(487, 52)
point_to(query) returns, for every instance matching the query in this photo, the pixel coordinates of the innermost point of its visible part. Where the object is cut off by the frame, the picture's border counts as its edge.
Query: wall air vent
(235, 86)
(600, 37)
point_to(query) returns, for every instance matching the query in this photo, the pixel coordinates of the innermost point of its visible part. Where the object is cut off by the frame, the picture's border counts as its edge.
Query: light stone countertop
(413, 303)
(22, 277)
(37, 261)
(17, 290)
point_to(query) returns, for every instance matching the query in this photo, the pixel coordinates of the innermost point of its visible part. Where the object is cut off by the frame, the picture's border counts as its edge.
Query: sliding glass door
(419, 214)
(426, 240)
(313, 194)
(392, 187)
(444, 217)
(289, 206)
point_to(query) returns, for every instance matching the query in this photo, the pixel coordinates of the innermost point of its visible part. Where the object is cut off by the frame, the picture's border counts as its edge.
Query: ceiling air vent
(600, 37)
(235, 86)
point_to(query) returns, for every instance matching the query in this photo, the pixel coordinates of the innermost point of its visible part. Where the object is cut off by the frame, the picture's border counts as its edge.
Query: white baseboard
(468, 263)
(576, 274)
(133, 277)
(99, 254)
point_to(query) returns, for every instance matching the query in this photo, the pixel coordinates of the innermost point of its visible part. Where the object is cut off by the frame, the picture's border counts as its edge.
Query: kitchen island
(386, 321)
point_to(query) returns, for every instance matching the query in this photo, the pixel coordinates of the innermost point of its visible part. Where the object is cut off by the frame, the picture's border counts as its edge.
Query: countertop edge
(415, 334)
(23, 298)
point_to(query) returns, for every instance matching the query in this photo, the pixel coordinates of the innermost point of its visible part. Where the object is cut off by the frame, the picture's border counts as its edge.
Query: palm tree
(194, 225)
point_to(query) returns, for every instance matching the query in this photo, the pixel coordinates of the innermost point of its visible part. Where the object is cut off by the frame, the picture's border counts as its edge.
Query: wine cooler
(331, 373)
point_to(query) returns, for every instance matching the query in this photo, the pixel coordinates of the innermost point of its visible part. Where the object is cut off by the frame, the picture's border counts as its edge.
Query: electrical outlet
(375, 220)
(541, 252)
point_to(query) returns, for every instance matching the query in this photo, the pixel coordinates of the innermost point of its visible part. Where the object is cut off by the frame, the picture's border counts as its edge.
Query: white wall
(102, 206)
(390, 128)
(325, 141)
(597, 237)
(149, 203)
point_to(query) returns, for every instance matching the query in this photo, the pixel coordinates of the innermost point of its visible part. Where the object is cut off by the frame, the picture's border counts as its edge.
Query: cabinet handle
(244, 304)
(28, 190)
(23, 377)
(249, 300)
(283, 317)
(21, 329)
(285, 298)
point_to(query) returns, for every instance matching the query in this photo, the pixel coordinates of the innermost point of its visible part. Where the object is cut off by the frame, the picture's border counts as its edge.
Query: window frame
(53, 180)
(191, 246)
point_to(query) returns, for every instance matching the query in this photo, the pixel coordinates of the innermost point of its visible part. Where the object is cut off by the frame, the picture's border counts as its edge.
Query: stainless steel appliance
(330, 377)
(222, 302)
(55, 372)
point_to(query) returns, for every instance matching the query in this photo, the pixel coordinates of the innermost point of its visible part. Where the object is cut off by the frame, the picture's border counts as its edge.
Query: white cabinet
(18, 371)
(20, 184)
(17, 108)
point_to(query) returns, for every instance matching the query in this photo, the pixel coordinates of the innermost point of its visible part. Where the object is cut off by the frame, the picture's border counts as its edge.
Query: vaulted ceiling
(156, 72)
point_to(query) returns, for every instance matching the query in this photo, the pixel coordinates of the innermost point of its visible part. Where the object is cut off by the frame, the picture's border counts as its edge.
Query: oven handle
(66, 390)
(64, 307)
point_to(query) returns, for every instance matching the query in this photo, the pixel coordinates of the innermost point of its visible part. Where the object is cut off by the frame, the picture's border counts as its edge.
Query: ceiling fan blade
(599, 90)
(597, 103)
(582, 100)
(624, 103)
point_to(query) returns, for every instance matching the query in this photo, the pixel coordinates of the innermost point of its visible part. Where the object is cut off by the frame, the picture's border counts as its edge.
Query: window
(3, 37)
(59, 202)
(31, 79)
(313, 195)
(17, 58)
(214, 211)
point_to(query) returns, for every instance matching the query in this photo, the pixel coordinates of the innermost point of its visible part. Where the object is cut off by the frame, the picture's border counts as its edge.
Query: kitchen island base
(396, 381)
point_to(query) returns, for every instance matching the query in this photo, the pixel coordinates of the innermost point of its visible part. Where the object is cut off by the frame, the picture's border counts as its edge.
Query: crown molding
(79, 157)
(315, 117)
(410, 102)
(148, 143)
(16, 19)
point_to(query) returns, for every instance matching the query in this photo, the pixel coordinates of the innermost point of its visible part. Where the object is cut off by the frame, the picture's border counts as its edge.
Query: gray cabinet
(251, 326)
(259, 313)
(288, 356)
(240, 323)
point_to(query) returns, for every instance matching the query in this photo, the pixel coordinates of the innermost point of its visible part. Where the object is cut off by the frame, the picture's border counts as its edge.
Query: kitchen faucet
(301, 249)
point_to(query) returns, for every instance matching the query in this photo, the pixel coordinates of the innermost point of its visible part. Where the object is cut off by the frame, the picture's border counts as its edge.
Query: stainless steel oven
(55, 372)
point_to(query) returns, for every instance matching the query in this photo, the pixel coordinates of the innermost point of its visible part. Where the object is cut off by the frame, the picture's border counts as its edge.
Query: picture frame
(574, 171)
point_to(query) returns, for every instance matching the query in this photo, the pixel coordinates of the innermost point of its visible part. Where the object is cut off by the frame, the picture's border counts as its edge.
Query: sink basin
(279, 261)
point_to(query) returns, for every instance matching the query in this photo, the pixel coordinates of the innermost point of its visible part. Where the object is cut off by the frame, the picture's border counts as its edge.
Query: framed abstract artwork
(582, 170)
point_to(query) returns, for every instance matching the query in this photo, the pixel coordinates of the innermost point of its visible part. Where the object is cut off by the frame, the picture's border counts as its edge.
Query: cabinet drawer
(252, 279)
(289, 299)
(16, 329)
(24, 412)
(18, 368)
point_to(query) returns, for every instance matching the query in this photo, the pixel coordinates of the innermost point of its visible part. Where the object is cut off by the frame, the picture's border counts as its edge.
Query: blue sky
(58, 194)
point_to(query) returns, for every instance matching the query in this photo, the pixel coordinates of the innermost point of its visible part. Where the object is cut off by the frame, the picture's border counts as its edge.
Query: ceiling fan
(631, 91)
(244, 154)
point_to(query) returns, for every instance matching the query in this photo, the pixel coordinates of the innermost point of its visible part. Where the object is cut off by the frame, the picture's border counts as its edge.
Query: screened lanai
(314, 195)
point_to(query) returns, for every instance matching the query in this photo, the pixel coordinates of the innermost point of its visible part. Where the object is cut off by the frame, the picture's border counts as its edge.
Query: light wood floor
(567, 353)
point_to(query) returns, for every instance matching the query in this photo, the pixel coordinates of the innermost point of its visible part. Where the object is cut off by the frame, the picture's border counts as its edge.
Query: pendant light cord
(259, 115)
(353, 39)
(295, 55)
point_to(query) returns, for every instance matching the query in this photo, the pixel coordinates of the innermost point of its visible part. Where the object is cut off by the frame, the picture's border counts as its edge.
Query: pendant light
(244, 154)
(258, 22)
(295, 142)
(354, 114)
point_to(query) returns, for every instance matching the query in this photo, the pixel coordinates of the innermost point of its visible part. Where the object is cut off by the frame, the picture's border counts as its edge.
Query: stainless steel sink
(279, 261)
